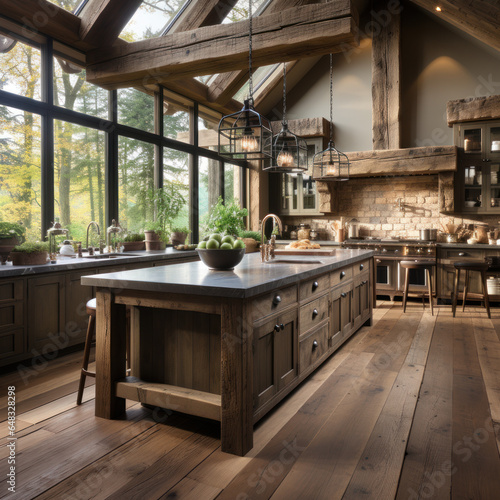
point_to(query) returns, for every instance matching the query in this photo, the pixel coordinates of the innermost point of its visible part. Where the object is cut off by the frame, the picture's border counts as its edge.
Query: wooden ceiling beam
(102, 21)
(473, 109)
(41, 16)
(480, 19)
(203, 13)
(294, 33)
(386, 82)
(226, 85)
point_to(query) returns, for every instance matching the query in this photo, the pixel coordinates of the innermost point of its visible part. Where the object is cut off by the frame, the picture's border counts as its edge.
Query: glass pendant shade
(245, 135)
(331, 164)
(289, 152)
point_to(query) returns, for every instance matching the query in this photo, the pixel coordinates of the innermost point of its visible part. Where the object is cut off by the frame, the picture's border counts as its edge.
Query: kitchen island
(225, 345)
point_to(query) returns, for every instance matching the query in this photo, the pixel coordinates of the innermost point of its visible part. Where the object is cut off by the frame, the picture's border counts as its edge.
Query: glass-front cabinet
(479, 166)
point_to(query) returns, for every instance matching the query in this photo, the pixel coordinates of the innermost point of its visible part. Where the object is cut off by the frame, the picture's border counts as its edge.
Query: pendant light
(289, 150)
(246, 134)
(331, 163)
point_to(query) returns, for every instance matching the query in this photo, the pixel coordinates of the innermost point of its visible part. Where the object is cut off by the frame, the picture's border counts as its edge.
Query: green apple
(216, 236)
(202, 244)
(212, 244)
(228, 239)
(226, 246)
(239, 244)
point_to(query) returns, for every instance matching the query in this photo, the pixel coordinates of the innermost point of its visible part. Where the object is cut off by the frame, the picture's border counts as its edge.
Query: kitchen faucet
(267, 249)
(93, 223)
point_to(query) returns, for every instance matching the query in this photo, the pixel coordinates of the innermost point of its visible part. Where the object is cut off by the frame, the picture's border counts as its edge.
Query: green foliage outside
(9, 230)
(226, 218)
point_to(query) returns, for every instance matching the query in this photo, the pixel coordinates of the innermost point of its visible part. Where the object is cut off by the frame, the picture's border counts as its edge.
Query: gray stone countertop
(72, 264)
(250, 278)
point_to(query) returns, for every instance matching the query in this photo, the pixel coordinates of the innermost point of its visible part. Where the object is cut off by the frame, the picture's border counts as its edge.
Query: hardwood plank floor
(408, 408)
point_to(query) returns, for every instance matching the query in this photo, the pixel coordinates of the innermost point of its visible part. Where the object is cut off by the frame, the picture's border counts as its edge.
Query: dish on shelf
(470, 203)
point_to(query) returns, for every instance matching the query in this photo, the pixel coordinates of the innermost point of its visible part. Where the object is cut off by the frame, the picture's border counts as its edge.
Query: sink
(110, 255)
(293, 261)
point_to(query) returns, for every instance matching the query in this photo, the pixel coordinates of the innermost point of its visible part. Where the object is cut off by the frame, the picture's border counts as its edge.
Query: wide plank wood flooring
(407, 409)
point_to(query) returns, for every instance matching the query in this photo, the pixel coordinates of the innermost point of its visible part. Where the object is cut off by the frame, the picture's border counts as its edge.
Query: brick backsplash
(374, 202)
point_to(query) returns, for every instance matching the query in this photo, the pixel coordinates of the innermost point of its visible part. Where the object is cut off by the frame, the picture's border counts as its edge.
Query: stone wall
(375, 203)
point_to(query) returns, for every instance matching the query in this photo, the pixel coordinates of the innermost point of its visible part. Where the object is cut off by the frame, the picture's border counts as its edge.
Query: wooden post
(386, 84)
(236, 379)
(110, 354)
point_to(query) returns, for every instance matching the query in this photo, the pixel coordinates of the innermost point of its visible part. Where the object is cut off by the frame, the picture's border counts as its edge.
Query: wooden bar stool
(91, 311)
(480, 267)
(89, 339)
(428, 265)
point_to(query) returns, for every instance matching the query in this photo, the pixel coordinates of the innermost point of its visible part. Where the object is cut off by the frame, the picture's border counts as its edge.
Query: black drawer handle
(276, 328)
(282, 326)
(343, 295)
(361, 267)
(277, 299)
(315, 285)
(364, 282)
(315, 313)
(315, 344)
(342, 274)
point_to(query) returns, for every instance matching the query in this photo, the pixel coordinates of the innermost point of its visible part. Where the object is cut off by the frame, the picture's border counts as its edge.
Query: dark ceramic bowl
(221, 259)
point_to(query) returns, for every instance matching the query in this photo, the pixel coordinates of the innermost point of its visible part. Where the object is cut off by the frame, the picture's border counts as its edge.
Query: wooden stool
(480, 267)
(91, 311)
(428, 265)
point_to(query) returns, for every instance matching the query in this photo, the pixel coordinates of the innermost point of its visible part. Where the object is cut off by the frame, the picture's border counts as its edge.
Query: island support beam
(236, 379)
(110, 354)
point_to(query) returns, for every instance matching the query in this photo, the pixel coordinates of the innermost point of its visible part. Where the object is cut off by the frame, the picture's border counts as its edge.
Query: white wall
(352, 102)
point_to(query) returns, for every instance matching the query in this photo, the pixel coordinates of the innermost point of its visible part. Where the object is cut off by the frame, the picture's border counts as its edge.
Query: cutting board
(312, 251)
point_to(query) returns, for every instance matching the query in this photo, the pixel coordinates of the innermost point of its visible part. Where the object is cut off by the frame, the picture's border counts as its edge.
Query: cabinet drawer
(11, 290)
(313, 347)
(314, 287)
(313, 314)
(274, 302)
(361, 267)
(461, 253)
(11, 315)
(340, 276)
(11, 343)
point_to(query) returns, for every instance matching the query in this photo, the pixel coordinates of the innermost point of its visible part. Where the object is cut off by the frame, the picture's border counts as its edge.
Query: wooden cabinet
(275, 356)
(12, 333)
(341, 320)
(313, 346)
(361, 299)
(478, 176)
(46, 312)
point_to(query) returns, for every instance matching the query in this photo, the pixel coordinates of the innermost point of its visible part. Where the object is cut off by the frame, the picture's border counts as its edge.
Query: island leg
(236, 380)
(110, 354)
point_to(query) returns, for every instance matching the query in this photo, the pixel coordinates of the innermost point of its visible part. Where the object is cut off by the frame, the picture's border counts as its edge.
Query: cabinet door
(341, 315)
(361, 299)
(77, 296)
(46, 308)
(275, 356)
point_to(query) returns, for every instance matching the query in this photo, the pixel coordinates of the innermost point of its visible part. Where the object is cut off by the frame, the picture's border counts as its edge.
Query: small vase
(250, 245)
(178, 238)
(6, 246)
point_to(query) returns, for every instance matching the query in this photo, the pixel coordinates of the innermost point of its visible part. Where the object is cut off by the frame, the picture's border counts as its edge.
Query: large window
(83, 153)
(20, 172)
(79, 178)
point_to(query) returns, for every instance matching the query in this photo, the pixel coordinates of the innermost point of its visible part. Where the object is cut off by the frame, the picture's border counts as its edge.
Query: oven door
(418, 279)
(387, 278)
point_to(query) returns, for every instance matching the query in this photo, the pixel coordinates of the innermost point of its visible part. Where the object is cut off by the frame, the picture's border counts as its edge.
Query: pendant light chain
(284, 94)
(331, 98)
(250, 79)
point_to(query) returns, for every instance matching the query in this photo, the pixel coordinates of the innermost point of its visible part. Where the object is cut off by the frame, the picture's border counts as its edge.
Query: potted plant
(30, 254)
(10, 235)
(132, 242)
(226, 218)
(168, 202)
(178, 235)
(251, 240)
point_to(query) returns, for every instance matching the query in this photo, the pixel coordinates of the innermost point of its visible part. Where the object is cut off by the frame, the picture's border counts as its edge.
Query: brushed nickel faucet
(267, 249)
(91, 250)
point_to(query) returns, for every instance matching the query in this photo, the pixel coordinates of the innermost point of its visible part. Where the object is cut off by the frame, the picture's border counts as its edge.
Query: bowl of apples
(221, 252)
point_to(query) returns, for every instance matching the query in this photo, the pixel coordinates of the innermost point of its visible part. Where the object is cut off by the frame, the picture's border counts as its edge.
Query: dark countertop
(73, 264)
(250, 278)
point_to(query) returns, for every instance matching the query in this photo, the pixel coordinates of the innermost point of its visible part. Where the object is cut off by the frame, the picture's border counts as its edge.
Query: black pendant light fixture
(289, 150)
(246, 134)
(331, 163)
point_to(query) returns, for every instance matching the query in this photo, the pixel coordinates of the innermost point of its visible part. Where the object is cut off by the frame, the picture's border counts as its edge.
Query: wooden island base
(226, 359)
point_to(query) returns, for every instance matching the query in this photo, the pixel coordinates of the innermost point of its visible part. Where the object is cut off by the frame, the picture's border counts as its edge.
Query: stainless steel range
(389, 254)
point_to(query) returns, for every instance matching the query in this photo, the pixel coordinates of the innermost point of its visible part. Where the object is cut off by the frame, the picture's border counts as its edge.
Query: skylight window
(152, 19)
(240, 11)
(74, 6)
